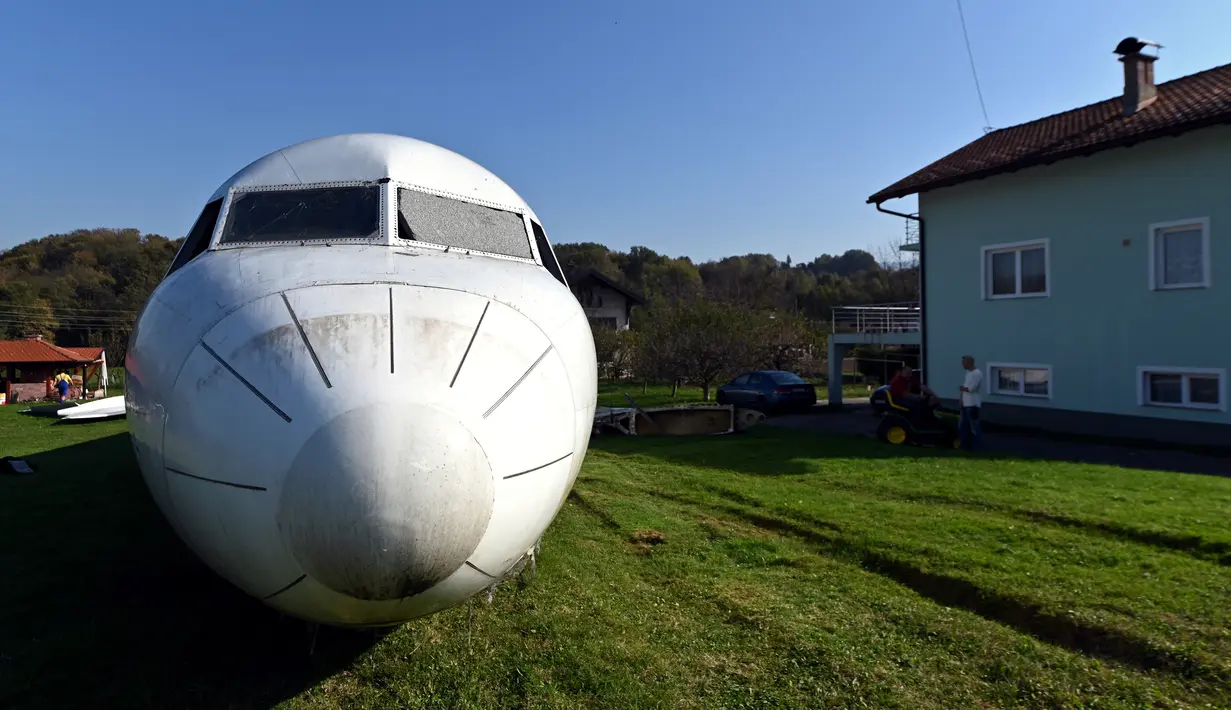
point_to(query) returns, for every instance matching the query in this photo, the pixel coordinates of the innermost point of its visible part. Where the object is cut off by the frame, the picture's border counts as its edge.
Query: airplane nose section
(366, 453)
(386, 500)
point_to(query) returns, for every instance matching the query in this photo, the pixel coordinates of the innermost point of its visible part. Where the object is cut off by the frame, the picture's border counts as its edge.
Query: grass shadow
(104, 606)
(1041, 445)
(1195, 546)
(763, 451)
(1020, 614)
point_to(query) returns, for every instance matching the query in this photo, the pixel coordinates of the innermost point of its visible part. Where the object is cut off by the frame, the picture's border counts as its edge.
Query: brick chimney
(1139, 88)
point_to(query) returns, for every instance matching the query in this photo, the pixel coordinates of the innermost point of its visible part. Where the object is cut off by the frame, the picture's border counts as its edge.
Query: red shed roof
(92, 353)
(1184, 104)
(37, 350)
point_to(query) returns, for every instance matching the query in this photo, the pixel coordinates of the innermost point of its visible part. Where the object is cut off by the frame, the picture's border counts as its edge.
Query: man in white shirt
(971, 403)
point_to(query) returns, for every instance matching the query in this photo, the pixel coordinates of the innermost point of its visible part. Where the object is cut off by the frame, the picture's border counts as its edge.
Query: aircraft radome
(363, 389)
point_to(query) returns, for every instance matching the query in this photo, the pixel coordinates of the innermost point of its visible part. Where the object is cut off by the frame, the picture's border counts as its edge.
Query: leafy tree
(23, 313)
(82, 288)
(698, 341)
(785, 342)
(607, 351)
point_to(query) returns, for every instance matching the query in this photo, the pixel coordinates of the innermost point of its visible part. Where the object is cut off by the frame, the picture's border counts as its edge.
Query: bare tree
(891, 256)
(785, 340)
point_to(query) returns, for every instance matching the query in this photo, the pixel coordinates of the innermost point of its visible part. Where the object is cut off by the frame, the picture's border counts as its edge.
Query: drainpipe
(923, 311)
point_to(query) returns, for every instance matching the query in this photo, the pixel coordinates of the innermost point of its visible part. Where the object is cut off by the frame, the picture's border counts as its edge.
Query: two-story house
(1084, 260)
(607, 304)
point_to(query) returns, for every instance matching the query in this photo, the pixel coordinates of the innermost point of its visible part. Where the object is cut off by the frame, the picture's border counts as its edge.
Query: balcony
(877, 319)
(879, 324)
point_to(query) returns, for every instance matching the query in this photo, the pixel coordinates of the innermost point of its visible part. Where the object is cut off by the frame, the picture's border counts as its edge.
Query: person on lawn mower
(908, 391)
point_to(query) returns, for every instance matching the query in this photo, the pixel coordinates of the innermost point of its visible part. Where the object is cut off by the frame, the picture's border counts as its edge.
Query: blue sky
(694, 127)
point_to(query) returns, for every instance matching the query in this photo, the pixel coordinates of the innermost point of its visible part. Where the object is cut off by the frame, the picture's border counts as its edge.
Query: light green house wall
(1101, 320)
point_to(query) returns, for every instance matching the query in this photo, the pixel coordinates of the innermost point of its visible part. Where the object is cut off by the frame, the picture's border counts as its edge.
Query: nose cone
(384, 501)
(369, 453)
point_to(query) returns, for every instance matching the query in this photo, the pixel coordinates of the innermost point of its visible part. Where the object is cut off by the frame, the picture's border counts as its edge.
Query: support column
(837, 353)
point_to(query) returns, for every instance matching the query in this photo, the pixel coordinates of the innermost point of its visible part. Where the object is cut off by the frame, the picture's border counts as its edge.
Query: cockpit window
(198, 237)
(313, 214)
(546, 254)
(461, 225)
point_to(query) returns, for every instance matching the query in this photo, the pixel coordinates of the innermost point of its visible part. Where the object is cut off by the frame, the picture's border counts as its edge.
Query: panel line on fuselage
(472, 566)
(306, 343)
(538, 468)
(391, 350)
(302, 577)
(518, 382)
(252, 388)
(245, 486)
(469, 345)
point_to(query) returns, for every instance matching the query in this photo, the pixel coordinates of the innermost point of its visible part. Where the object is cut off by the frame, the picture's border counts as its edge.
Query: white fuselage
(360, 434)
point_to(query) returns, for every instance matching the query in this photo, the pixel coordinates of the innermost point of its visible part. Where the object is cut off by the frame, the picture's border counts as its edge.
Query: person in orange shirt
(906, 390)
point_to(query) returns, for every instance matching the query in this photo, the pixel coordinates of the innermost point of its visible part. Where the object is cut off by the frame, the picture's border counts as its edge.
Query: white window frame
(234, 192)
(1204, 224)
(993, 379)
(1143, 389)
(985, 285)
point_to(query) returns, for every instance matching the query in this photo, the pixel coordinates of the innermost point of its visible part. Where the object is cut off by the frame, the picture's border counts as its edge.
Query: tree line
(700, 321)
(81, 288)
(703, 323)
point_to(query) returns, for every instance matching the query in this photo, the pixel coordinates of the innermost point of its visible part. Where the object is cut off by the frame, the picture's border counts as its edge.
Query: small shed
(27, 368)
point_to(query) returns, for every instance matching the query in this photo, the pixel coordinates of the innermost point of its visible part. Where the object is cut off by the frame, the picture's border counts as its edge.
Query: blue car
(767, 390)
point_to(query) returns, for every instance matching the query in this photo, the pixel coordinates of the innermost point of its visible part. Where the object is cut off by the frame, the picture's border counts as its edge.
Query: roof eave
(1169, 132)
(615, 286)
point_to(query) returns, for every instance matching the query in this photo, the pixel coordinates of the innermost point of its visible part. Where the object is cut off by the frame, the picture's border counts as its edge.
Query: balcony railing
(879, 318)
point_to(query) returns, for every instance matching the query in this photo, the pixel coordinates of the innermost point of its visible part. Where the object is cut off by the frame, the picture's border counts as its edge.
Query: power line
(124, 311)
(64, 317)
(987, 122)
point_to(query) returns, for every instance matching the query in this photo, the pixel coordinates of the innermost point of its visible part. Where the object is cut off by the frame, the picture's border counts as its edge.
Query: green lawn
(611, 394)
(770, 569)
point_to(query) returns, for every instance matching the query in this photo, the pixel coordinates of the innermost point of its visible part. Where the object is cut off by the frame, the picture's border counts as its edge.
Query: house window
(1180, 254)
(1191, 388)
(603, 323)
(1020, 380)
(1015, 270)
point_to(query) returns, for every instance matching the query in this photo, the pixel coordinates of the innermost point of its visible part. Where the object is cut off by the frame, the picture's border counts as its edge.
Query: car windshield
(313, 214)
(786, 378)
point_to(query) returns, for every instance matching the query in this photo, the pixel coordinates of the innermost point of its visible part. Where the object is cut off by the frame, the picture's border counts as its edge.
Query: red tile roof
(91, 353)
(31, 351)
(1184, 104)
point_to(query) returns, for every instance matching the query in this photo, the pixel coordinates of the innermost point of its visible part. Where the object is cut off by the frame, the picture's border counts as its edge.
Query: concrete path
(858, 420)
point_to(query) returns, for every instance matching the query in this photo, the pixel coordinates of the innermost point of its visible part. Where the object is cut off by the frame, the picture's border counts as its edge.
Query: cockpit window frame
(381, 238)
(392, 195)
(388, 235)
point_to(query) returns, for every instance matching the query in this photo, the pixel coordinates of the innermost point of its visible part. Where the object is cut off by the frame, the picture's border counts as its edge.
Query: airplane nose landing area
(386, 500)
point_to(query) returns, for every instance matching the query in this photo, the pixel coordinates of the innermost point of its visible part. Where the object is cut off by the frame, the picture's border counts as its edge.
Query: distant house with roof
(607, 304)
(28, 366)
(1084, 260)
